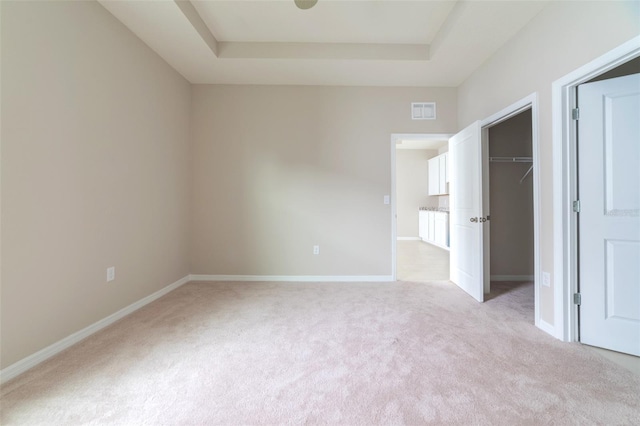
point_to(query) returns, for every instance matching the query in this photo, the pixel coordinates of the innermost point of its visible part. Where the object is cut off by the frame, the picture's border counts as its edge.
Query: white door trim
(529, 102)
(565, 260)
(394, 213)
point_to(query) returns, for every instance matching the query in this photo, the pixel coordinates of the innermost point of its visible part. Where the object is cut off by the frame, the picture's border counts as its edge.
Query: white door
(609, 218)
(465, 206)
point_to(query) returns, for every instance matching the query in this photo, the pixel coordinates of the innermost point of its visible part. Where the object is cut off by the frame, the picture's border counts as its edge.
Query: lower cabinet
(441, 226)
(433, 227)
(423, 225)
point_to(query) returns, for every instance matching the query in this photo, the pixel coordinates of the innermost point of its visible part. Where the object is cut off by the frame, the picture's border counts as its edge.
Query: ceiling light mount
(305, 4)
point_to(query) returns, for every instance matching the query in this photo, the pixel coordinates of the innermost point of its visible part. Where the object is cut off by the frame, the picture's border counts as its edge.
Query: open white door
(465, 205)
(609, 218)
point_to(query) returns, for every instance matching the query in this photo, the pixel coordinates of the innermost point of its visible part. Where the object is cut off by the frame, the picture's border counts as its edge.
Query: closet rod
(511, 159)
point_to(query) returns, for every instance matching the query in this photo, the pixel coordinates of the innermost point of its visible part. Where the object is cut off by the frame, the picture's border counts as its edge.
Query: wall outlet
(111, 273)
(386, 199)
(546, 279)
(316, 249)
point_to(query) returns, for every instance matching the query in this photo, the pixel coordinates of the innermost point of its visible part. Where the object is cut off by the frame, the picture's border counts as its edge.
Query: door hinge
(576, 206)
(577, 299)
(575, 113)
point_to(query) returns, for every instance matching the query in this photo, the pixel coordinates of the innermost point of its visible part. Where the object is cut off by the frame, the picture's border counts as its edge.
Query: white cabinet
(433, 227)
(441, 226)
(442, 182)
(423, 225)
(431, 230)
(446, 174)
(438, 175)
(434, 176)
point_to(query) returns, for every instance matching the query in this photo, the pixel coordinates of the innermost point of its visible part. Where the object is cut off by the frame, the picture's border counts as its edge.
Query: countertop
(436, 209)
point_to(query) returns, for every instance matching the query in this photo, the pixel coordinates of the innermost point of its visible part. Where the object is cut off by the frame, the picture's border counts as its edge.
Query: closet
(511, 200)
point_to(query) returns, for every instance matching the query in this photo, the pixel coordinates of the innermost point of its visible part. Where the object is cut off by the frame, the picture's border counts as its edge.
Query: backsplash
(443, 204)
(435, 209)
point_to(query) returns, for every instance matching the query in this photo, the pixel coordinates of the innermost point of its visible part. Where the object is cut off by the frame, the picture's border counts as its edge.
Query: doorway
(510, 225)
(565, 184)
(419, 208)
(470, 214)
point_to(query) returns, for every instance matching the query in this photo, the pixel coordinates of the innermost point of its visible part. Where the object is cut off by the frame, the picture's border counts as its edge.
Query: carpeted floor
(325, 353)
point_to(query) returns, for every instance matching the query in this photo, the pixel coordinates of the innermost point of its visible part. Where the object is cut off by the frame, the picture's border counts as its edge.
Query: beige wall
(278, 169)
(511, 202)
(94, 171)
(412, 188)
(561, 38)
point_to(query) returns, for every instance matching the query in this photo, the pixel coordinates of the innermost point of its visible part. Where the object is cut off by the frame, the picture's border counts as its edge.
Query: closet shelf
(511, 159)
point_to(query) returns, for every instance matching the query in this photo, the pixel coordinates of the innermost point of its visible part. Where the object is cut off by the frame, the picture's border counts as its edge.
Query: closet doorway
(509, 193)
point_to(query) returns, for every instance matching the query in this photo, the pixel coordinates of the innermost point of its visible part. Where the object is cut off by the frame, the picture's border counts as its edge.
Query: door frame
(565, 224)
(527, 103)
(394, 212)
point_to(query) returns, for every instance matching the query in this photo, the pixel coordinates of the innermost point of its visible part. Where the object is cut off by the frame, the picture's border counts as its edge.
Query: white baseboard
(31, 361)
(546, 327)
(511, 278)
(409, 239)
(294, 278)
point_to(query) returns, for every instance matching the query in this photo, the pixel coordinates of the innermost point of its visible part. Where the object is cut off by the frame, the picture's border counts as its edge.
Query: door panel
(466, 264)
(622, 295)
(609, 218)
(622, 175)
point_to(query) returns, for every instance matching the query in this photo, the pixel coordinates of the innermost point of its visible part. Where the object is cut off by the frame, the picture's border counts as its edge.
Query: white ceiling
(337, 42)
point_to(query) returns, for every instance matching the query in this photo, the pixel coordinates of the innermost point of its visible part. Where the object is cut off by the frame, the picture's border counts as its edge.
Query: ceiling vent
(423, 110)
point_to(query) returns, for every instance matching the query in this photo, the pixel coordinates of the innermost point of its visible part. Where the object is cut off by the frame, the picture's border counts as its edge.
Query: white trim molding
(565, 259)
(31, 361)
(293, 278)
(409, 239)
(546, 327)
(394, 211)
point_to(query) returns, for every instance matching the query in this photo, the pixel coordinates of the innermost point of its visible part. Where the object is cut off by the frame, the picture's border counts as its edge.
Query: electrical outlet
(316, 249)
(111, 273)
(546, 279)
(386, 199)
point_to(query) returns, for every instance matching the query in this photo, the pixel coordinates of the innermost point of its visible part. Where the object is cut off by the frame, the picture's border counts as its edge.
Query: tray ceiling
(357, 42)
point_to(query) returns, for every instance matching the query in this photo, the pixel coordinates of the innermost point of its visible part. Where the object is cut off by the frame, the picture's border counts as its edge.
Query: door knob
(474, 219)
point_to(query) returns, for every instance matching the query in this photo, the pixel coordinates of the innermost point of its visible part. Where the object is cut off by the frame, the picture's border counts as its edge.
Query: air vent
(423, 110)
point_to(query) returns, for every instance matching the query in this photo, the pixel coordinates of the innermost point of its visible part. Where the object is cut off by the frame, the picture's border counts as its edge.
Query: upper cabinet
(439, 175)
(434, 176)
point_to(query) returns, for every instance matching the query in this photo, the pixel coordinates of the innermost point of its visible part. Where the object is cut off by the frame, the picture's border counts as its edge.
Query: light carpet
(325, 353)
